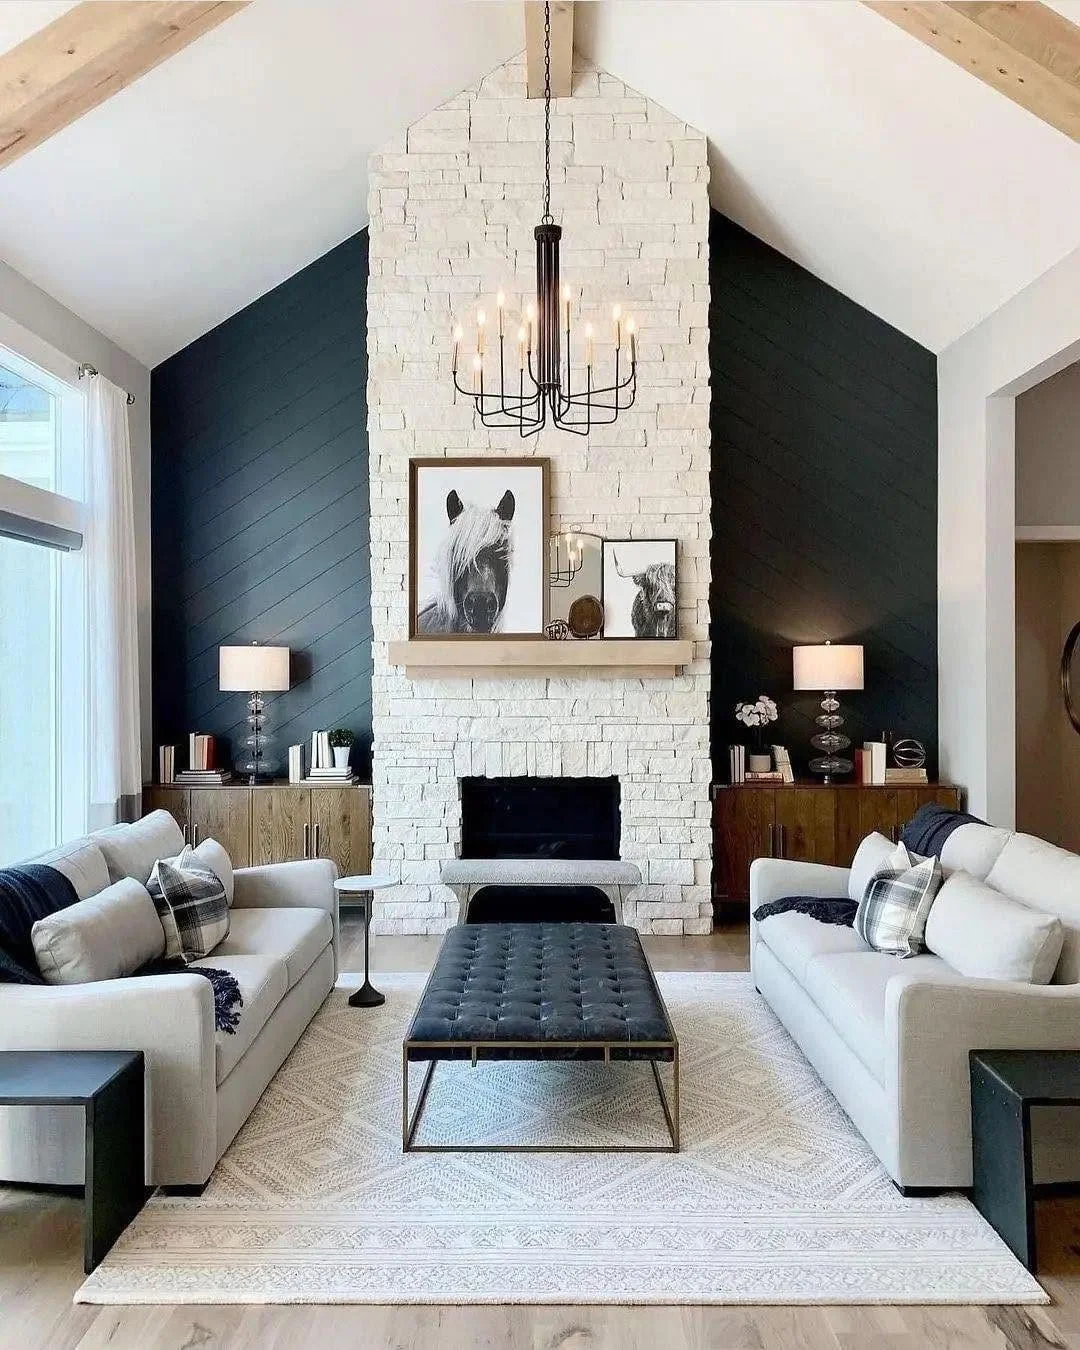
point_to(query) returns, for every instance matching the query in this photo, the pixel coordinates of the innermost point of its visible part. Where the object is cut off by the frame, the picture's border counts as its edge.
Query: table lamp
(827, 669)
(255, 671)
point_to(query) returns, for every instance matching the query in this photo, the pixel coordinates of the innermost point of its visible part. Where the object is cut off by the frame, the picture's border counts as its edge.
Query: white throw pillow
(893, 911)
(989, 936)
(191, 904)
(211, 854)
(110, 934)
(872, 855)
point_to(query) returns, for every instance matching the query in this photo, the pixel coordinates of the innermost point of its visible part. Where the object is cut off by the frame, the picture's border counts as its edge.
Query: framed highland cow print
(478, 547)
(640, 588)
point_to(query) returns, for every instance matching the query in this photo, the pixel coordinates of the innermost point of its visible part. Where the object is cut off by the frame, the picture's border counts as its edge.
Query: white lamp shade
(826, 666)
(253, 669)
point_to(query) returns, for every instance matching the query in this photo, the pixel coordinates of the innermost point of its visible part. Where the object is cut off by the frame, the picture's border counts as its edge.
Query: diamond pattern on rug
(774, 1199)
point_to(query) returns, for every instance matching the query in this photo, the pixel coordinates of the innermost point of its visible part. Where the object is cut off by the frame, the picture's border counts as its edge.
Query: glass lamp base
(831, 766)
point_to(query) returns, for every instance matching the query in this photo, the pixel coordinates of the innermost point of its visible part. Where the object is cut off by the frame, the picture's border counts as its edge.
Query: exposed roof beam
(86, 55)
(562, 47)
(1027, 51)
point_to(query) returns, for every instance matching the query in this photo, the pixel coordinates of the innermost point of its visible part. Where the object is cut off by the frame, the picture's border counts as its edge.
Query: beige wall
(1048, 452)
(1047, 747)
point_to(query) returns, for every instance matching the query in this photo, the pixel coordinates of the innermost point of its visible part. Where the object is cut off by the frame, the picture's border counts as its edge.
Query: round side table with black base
(362, 889)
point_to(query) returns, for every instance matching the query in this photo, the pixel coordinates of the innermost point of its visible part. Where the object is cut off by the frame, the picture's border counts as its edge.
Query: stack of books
(296, 763)
(782, 760)
(906, 777)
(737, 763)
(768, 776)
(203, 769)
(323, 770)
(166, 763)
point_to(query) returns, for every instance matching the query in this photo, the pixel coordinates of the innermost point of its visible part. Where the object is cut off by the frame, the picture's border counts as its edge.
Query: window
(42, 630)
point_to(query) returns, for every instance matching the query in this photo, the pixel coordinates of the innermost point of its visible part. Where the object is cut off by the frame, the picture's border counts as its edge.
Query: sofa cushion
(974, 849)
(102, 937)
(796, 939)
(295, 936)
(263, 984)
(132, 850)
(82, 862)
(987, 935)
(1048, 878)
(849, 989)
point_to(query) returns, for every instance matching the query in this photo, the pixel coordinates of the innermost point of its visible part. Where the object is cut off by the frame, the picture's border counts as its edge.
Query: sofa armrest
(773, 878)
(170, 1018)
(306, 884)
(932, 1021)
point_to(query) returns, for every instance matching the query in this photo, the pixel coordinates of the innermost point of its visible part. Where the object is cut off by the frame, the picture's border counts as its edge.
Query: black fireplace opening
(533, 817)
(540, 904)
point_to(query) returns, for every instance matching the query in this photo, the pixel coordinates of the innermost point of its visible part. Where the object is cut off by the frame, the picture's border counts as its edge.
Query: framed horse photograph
(478, 531)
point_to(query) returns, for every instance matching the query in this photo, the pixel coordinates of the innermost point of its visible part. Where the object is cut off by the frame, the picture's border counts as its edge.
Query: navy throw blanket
(34, 891)
(930, 826)
(840, 912)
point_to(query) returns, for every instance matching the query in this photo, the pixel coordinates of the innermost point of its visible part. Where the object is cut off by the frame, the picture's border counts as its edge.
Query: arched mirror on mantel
(576, 583)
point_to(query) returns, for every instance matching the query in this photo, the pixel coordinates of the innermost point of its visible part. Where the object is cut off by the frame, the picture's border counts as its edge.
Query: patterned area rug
(775, 1198)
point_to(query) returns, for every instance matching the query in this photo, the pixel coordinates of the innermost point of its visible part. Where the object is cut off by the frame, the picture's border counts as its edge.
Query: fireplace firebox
(565, 819)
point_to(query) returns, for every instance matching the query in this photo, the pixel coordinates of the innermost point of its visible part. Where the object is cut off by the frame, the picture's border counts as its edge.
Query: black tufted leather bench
(579, 991)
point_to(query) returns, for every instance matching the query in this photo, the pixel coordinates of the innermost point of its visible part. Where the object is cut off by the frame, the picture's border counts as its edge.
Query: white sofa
(201, 1084)
(890, 1038)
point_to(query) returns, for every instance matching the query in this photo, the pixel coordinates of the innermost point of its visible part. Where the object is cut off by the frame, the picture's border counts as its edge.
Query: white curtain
(115, 765)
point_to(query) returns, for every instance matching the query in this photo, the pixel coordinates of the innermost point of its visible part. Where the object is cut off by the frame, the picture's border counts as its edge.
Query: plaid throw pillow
(191, 905)
(892, 913)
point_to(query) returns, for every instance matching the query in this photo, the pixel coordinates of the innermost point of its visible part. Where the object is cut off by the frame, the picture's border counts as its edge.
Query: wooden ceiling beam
(562, 47)
(89, 53)
(1026, 51)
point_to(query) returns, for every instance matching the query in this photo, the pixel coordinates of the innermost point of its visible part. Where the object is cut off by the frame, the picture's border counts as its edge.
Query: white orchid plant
(756, 716)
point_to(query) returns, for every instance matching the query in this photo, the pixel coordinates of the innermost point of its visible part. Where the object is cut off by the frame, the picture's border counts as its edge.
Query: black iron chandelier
(542, 380)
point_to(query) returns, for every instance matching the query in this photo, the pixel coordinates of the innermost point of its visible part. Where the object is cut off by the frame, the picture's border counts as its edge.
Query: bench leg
(409, 1127)
(671, 1116)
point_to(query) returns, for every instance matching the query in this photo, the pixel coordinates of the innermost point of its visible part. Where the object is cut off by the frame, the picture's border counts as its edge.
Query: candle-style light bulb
(521, 347)
(566, 306)
(588, 344)
(459, 333)
(631, 328)
(478, 370)
(530, 314)
(616, 316)
(500, 301)
(481, 320)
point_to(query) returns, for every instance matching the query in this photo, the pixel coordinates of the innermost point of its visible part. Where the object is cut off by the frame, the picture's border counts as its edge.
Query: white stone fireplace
(452, 205)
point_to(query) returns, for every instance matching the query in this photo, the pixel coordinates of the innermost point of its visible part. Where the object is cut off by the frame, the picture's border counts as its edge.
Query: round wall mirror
(1070, 675)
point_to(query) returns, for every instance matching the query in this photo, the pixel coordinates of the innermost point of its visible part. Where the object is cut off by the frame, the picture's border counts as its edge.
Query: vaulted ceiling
(835, 136)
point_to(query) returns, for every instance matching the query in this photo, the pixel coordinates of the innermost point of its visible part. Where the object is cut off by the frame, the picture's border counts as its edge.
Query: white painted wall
(1048, 453)
(26, 309)
(1031, 337)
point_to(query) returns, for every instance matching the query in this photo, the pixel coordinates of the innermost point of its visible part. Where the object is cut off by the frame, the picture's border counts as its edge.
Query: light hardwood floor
(40, 1267)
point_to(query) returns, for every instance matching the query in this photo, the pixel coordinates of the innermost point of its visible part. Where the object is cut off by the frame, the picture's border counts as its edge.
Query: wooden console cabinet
(807, 822)
(274, 822)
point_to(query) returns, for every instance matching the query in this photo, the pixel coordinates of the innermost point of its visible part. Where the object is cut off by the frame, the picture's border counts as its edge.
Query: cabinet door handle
(185, 833)
(894, 833)
(780, 841)
(317, 853)
(307, 840)
(772, 841)
(195, 835)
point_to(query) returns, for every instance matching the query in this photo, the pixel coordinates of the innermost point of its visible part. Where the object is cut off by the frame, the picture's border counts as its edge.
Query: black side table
(108, 1085)
(1005, 1085)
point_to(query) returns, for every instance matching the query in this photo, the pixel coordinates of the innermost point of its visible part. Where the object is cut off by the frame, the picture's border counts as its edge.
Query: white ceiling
(874, 162)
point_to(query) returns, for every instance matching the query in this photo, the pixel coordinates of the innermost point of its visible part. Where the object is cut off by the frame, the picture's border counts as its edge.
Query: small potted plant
(341, 742)
(757, 716)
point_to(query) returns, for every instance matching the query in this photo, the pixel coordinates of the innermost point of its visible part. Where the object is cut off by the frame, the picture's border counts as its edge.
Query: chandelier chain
(547, 216)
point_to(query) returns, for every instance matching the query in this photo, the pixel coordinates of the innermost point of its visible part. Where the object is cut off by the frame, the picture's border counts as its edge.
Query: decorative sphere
(909, 753)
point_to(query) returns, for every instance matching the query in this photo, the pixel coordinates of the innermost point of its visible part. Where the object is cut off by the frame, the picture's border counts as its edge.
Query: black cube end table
(1005, 1085)
(108, 1085)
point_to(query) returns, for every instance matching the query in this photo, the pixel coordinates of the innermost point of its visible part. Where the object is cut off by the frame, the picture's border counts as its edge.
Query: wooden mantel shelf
(513, 656)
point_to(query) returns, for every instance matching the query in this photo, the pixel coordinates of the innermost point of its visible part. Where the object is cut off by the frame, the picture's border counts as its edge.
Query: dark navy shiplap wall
(824, 498)
(260, 509)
